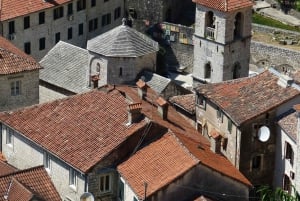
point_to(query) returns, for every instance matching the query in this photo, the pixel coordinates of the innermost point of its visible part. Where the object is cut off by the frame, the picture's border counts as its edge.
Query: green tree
(268, 194)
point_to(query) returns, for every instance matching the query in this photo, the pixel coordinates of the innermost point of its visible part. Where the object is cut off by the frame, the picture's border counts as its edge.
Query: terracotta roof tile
(245, 98)
(157, 165)
(25, 183)
(5, 168)
(26, 7)
(161, 102)
(225, 5)
(288, 122)
(13, 60)
(186, 102)
(96, 118)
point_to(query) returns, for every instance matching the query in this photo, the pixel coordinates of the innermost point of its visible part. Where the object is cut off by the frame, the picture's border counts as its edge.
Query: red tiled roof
(163, 165)
(288, 123)
(161, 102)
(14, 8)
(80, 129)
(245, 98)
(186, 102)
(26, 183)
(5, 168)
(225, 5)
(13, 60)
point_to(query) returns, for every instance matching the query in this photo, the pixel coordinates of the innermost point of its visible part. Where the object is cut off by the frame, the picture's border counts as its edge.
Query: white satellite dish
(87, 197)
(263, 134)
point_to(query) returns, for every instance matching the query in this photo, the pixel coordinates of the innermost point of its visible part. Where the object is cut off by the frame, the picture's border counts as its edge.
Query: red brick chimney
(162, 107)
(142, 88)
(134, 112)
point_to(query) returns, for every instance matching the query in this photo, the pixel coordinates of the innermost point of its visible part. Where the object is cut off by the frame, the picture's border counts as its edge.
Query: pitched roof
(13, 60)
(65, 66)
(225, 5)
(162, 166)
(23, 185)
(5, 168)
(288, 122)
(122, 41)
(186, 102)
(96, 118)
(156, 82)
(26, 7)
(245, 98)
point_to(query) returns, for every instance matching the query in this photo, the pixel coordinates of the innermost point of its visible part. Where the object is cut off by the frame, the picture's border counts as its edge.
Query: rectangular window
(27, 47)
(289, 153)
(58, 13)
(117, 13)
(93, 3)
(70, 8)
(70, 33)
(15, 88)
(81, 4)
(200, 101)
(106, 19)
(42, 43)
(93, 24)
(229, 126)
(80, 29)
(105, 185)
(57, 37)
(9, 136)
(72, 177)
(47, 161)
(11, 27)
(256, 162)
(41, 17)
(26, 22)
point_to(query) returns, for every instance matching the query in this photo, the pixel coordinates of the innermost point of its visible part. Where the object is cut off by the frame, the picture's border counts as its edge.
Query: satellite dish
(87, 197)
(263, 134)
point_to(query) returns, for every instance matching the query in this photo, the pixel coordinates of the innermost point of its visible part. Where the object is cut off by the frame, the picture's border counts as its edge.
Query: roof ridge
(20, 56)
(23, 171)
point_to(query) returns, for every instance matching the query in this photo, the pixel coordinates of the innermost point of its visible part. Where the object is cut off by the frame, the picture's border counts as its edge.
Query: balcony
(210, 33)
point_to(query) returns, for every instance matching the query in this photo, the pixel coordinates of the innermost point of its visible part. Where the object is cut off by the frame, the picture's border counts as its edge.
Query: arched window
(210, 19)
(207, 72)
(236, 72)
(287, 184)
(237, 31)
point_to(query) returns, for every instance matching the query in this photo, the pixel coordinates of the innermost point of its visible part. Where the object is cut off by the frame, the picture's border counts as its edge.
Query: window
(117, 13)
(289, 153)
(120, 72)
(106, 19)
(287, 184)
(42, 43)
(93, 3)
(219, 114)
(237, 31)
(70, 33)
(80, 29)
(236, 71)
(11, 27)
(229, 125)
(58, 13)
(207, 73)
(9, 136)
(105, 183)
(41, 17)
(121, 190)
(81, 4)
(70, 8)
(93, 24)
(15, 88)
(27, 48)
(256, 162)
(47, 161)
(200, 100)
(57, 37)
(72, 177)
(26, 22)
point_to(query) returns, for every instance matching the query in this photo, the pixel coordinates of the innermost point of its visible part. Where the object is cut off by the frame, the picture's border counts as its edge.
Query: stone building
(36, 26)
(19, 77)
(238, 117)
(221, 40)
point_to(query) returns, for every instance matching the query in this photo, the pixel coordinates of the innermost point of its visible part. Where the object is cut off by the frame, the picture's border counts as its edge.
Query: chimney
(285, 81)
(162, 107)
(95, 79)
(215, 141)
(134, 112)
(142, 88)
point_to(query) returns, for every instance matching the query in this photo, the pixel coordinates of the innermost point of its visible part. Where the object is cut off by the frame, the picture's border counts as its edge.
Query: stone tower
(221, 40)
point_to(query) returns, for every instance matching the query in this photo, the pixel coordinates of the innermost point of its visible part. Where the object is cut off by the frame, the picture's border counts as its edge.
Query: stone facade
(61, 26)
(221, 45)
(19, 90)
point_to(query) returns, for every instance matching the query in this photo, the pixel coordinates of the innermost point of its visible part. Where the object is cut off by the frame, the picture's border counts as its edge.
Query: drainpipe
(86, 183)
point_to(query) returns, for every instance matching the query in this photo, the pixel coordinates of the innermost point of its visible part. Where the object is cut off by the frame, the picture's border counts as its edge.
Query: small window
(200, 100)
(229, 126)
(72, 177)
(58, 13)
(93, 24)
(289, 153)
(47, 161)
(9, 136)
(11, 27)
(80, 29)
(15, 88)
(287, 186)
(93, 3)
(42, 43)
(70, 8)
(41, 17)
(26, 22)
(27, 47)
(105, 185)
(106, 19)
(117, 13)
(70, 33)
(207, 73)
(256, 162)
(81, 5)
(120, 72)
(57, 37)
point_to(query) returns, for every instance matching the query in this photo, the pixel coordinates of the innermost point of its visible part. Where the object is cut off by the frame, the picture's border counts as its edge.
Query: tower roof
(225, 5)
(122, 41)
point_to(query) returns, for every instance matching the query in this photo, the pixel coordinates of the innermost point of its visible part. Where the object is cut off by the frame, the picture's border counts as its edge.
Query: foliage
(268, 194)
(259, 19)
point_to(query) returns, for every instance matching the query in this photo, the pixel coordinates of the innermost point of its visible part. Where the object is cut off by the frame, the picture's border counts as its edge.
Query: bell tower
(221, 40)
